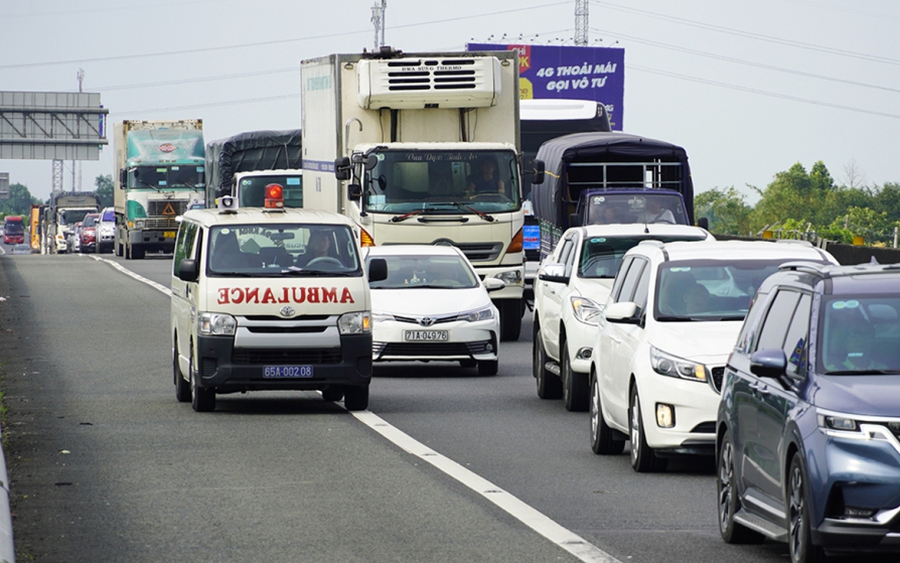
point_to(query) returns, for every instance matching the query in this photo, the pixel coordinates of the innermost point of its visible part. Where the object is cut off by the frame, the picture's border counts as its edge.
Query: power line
(759, 92)
(744, 61)
(751, 35)
(210, 105)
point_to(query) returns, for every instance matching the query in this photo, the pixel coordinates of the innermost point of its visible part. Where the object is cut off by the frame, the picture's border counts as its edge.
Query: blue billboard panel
(570, 72)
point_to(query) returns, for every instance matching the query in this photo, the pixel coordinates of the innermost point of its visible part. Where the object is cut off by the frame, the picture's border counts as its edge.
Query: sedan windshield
(421, 271)
(860, 335)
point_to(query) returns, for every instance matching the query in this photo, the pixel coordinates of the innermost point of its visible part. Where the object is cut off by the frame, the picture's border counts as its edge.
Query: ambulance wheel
(202, 400)
(332, 394)
(356, 397)
(182, 385)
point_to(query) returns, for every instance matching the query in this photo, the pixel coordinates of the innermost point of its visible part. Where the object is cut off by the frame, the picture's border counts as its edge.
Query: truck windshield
(166, 177)
(643, 207)
(72, 216)
(282, 250)
(442, 181)
(252, 191)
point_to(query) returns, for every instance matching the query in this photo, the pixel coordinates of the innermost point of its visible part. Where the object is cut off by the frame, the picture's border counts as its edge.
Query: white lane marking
(129, 273)
(564, 538)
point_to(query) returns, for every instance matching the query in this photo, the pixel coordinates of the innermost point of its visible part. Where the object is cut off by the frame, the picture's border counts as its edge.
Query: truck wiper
(482, 214)
(149, 185)
(405, 216)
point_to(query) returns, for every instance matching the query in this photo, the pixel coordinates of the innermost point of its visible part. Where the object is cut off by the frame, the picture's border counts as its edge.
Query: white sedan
(432, 306)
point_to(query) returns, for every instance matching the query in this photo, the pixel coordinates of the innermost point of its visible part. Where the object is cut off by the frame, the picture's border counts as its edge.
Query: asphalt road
(105, 465)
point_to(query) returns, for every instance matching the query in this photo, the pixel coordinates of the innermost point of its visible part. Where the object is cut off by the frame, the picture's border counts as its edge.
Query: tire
(510, 319)
(182, 385)
(137, 253)
(574, 385)
(202, 399)
(332, 394)
(602, 441)
(800, 543)
(488, 367)
(118, 248)
(356, 398)
(726, 489)
(548, 385)
(643, 458)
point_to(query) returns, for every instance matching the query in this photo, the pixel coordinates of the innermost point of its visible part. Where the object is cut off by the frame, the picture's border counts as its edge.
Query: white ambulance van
(270, 299)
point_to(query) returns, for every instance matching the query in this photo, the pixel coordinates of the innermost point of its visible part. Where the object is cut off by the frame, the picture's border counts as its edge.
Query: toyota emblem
(287, 311)
(426, 321)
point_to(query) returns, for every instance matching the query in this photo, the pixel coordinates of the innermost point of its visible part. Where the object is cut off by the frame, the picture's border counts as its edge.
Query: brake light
(515, 245)
(365, 239)
(274, 196)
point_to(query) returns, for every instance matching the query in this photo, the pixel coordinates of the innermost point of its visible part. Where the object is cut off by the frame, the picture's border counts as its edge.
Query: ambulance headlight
(216, 324)
(355, 323)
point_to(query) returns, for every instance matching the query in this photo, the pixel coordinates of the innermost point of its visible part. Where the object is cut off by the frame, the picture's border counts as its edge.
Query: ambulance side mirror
(377, 269)
(188, 270)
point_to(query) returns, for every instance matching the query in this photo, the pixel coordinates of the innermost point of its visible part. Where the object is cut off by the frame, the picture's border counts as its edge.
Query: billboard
(581, 73)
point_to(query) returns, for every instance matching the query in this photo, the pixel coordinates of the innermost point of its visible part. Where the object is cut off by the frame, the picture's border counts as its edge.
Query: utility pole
(378, 11)
(581, 22)
(80, 77)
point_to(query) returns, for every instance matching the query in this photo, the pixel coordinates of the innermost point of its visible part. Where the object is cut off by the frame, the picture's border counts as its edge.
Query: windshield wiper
(471, 209)
(405, 216)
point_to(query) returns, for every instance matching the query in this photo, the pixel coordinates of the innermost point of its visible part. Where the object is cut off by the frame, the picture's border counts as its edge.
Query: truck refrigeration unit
(421, 148)
(159, 172)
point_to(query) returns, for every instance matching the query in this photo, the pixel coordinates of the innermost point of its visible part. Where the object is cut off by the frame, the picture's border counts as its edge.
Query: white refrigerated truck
(421, 148)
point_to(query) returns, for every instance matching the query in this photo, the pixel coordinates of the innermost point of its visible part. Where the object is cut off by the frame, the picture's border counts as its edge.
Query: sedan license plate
(168, 234)
(287, 371)
(426, 335)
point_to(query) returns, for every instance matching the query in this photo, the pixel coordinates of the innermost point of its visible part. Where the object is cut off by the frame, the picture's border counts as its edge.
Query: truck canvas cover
(253, 150)
(557, 154)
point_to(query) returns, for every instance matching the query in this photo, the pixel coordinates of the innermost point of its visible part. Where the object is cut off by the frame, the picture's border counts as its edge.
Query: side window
(640, 292)
(795, 344)
(751, 324)
(632, 277)
(566, 250)
(570, 259)
(777, 320)
(620, 277)
(184, 244)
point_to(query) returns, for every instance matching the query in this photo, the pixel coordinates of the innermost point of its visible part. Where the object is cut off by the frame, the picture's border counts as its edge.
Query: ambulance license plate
(168, 234)
(287, 371)
(426, 335)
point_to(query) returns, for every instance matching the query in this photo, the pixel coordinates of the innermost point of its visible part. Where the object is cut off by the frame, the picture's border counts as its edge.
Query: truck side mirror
(538, 174)
(703, 223)
(123, 178)
(377, 269)
(574, 220)
(188, 270)
(354, 192)
(342, 168)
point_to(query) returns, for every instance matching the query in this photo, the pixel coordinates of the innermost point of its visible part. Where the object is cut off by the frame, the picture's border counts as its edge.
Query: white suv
(572, 286)
(669, 325)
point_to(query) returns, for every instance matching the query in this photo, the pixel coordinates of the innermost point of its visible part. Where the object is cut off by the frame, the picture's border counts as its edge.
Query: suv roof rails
(793, 241)
(833, 271)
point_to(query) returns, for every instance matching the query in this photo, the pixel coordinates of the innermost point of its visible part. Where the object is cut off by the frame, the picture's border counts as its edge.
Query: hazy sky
(747, 88)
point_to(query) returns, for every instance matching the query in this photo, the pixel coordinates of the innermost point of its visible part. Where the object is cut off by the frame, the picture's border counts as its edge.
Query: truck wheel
(202, 400)
(356, 398)
(137, 253)
(488, 367)
(510, 319)
(182, 385)
(118, 248)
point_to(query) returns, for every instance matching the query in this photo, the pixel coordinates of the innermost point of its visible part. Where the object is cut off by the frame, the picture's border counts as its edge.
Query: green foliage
(19, 202)
(105, 190)
(726, 210)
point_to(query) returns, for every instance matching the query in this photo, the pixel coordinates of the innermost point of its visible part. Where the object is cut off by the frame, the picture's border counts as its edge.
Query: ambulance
(270, 299)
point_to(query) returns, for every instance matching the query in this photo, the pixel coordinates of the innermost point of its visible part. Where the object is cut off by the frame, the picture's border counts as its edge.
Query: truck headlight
(355, 323)
(216, 324)
(511, 277)
(585, 310)
(138, 223)
(476, 315)
(673, 366)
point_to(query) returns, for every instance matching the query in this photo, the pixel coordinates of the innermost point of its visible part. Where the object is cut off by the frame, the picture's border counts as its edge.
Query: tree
(19, 202)
(726, 210)
(104, 185)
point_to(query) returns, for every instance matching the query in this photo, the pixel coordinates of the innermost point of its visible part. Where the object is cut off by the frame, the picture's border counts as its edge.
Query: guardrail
(7, 550)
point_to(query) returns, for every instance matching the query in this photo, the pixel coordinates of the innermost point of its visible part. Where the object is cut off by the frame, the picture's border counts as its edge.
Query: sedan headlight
(216, 324)
(511, 277)
(355, 323)
(673, 366)
(476, 315)
(585, 310)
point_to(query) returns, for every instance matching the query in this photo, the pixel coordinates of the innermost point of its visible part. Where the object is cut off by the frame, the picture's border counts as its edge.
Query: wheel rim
(595, 409)
(726, 475)
(795, 509)
(635, 428)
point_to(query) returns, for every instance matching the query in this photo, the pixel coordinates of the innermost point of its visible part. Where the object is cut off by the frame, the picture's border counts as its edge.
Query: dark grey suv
(808, 428)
